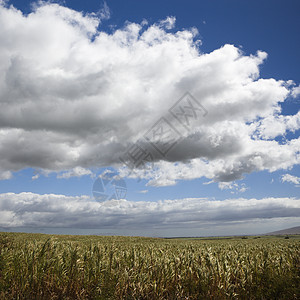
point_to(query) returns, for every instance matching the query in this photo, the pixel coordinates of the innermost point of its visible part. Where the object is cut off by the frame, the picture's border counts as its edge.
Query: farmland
(37, 266)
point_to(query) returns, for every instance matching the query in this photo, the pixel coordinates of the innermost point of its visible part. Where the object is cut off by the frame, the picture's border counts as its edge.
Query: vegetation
(36, 266)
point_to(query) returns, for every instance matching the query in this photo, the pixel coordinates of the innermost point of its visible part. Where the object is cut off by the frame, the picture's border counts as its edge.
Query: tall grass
(81, 267)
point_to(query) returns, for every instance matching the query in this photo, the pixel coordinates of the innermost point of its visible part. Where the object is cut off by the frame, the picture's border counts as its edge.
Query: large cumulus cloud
(73, 96)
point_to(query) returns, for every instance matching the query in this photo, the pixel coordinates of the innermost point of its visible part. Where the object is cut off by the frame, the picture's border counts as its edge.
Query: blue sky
(82, 81)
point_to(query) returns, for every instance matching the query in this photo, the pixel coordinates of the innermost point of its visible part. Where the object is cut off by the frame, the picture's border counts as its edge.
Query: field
(37, 266)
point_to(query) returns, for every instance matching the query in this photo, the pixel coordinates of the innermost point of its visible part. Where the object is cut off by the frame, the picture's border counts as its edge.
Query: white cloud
(104, 13)
(38, 173)
(37, 211)
(143, 191)
(273, 126)
(290, 178)
(35, 177)
(72, 96)
(296, 91)
(168, 23)
(4, 175)
(76, 172)
(233, 186)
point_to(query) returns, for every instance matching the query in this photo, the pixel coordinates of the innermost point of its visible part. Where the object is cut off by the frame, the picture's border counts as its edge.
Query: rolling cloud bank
(58, 211)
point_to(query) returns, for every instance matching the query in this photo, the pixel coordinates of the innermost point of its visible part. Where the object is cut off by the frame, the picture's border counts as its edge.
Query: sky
(161, 118)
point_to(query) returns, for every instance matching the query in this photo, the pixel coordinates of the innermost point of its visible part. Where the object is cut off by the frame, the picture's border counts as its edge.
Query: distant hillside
(293, 230)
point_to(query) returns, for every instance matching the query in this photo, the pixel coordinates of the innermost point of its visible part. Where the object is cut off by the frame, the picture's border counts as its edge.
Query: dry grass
(89, 267)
